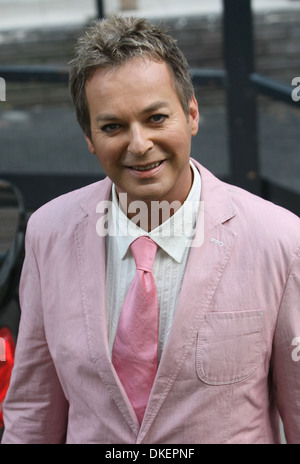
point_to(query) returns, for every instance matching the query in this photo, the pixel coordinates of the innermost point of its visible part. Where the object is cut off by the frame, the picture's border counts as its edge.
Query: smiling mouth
(147, 167)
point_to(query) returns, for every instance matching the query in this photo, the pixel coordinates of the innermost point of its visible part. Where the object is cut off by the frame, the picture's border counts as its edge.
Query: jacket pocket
(229, 346)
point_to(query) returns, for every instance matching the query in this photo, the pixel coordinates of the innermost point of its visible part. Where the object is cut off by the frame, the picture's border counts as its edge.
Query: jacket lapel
(206, 263)
(91, 258)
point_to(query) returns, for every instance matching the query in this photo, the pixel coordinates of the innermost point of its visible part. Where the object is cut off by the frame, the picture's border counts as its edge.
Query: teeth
(146, 168)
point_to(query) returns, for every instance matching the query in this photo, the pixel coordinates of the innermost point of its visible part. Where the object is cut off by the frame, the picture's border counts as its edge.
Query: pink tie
(135, 347)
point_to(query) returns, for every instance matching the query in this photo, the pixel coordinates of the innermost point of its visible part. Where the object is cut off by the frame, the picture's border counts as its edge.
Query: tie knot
(144, 250)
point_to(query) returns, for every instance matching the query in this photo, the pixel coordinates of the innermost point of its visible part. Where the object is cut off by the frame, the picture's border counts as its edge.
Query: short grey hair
(112, 42)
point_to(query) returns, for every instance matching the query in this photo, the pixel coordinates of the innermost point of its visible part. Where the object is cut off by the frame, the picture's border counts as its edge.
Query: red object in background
(6, 366)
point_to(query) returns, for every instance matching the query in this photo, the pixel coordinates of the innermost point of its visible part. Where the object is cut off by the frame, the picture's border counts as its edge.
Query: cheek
(180, 142)
(179, 133)
(107, 150)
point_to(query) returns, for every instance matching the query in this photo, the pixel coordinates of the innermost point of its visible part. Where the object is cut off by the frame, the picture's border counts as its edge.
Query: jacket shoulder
(66, 210)
(264, 218)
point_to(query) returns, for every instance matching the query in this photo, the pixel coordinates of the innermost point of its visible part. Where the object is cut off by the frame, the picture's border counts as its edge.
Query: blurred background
(246, 136)
(38, 132)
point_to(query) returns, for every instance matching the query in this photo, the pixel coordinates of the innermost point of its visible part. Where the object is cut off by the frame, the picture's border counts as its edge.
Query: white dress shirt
(173, 238)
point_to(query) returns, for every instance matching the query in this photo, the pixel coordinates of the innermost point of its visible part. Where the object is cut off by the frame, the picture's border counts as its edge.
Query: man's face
(139, 131)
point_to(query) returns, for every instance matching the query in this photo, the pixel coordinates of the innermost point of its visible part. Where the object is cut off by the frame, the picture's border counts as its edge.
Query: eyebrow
(156, 106)
(149, 109)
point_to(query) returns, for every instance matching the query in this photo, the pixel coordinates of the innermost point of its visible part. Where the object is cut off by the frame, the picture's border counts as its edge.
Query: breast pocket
(229, 346)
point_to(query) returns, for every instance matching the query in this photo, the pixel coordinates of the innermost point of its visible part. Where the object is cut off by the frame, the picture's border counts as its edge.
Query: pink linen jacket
(231, 364)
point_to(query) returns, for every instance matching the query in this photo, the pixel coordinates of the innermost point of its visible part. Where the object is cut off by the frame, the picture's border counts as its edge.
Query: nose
(139, 140)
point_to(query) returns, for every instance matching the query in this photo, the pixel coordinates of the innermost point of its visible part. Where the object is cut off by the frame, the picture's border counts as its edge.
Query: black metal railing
(243, 85)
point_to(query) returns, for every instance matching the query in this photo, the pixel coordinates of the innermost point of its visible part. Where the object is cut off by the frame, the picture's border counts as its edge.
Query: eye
(110, 128)
(158, 118)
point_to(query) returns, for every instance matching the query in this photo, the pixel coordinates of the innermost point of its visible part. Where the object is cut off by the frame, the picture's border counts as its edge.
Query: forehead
(135, 78)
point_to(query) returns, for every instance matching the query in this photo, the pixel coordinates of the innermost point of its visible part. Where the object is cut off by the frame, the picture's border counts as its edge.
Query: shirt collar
(173, 235)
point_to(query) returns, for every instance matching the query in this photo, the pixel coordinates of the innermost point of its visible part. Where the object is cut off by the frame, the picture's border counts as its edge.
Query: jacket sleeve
(35, 408)
(286, 356)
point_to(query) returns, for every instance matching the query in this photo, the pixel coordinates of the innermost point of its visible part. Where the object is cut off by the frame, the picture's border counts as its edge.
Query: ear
(194, 116)
(90, 144)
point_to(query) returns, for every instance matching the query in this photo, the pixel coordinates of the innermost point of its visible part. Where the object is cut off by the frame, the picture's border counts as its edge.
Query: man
(228, 284)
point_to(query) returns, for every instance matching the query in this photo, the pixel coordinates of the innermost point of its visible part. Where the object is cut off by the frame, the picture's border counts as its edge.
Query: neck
(150, 214)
